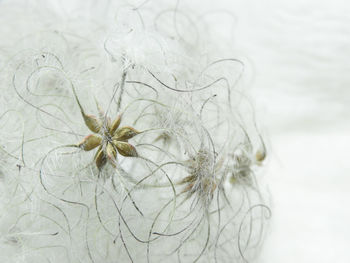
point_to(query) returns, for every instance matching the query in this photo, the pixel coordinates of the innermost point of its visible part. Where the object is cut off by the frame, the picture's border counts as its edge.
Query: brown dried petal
(125, 133)
(111, 153)
(115, 125)
(90, 142)
(100, 158)
(125, 149)
(92, 122)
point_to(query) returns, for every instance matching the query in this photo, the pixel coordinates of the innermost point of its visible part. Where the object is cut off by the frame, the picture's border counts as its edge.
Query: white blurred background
(300, 51)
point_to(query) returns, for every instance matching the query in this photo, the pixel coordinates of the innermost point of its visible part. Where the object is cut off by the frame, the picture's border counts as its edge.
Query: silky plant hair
(127, 135)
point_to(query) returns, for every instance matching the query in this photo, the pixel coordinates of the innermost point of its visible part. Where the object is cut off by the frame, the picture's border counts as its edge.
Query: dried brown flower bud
(90, 142)
(110, 151)
(92, 122)
(100, 158)
(125, 149)
(125, 133)
(114, 126)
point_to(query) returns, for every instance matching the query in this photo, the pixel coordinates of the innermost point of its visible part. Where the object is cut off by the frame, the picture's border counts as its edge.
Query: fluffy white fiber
(183, 188)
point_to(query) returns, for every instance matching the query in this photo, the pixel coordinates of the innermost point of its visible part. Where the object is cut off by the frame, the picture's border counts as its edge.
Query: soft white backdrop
(300, 51)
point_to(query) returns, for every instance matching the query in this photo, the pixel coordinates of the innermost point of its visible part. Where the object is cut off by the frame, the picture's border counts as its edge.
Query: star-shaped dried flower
(109, 139)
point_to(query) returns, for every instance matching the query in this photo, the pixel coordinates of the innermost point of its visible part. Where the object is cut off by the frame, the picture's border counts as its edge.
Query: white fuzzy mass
(126, 135)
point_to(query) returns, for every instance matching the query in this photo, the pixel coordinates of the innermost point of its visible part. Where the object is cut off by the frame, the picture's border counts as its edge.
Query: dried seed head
(201, 179)
(108, 146)
(125, 133)
(92, 122)
(125, 149)
(90, 142)
(201, 164)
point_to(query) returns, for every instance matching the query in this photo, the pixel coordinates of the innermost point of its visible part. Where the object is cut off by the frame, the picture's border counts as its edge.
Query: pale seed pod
(100, 158)
(125, 149)
(115, 125)
(92, 122)
(125, 133)
(90, 142)
(110, 151)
